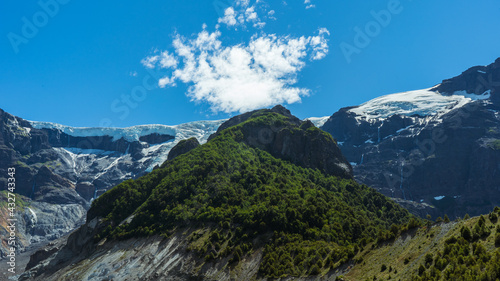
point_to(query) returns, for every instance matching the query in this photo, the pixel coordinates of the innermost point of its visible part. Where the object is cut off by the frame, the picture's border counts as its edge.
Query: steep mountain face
(438, 146)
(234, 208)
(61, 169)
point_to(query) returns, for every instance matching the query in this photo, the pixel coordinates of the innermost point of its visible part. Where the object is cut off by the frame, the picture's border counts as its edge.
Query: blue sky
(84, 63)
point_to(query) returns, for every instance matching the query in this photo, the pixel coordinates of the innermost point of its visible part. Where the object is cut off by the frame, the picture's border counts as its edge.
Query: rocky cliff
(438, 146)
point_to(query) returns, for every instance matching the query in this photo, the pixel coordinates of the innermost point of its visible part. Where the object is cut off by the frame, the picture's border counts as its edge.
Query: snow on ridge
(318, 121)
(193, 129)
(420, 102)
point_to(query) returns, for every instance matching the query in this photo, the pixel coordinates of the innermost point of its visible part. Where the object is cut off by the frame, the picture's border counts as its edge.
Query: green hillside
(242, 199)
(461, 250)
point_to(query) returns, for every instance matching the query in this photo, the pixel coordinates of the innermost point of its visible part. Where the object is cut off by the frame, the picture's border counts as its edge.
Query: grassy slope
(404, 255)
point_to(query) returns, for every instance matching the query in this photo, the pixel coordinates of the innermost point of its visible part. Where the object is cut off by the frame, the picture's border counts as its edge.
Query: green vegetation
(495, 145)
(242, 199)
(463, 258)
(464, 250)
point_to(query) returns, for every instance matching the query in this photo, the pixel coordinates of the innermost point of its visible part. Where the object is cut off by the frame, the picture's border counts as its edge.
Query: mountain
(435, 147)
(267, 196)
(61, 169)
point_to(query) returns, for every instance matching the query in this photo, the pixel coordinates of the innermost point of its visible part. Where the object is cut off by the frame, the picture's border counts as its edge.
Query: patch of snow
(343, 166)
(420, 102)
(35, 218)
(483, 96)
(480, 71)
(340, 143)
(369, 141)
(353, 164)
(400, 130)
(437, 198)
(318, 121)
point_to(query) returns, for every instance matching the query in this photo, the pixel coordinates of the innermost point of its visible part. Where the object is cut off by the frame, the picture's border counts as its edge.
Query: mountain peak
(475, 80)
(286, 137)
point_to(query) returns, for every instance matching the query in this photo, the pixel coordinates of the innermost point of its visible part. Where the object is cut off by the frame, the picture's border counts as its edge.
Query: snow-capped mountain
(437, 146)
(61, 169)
(145, 145)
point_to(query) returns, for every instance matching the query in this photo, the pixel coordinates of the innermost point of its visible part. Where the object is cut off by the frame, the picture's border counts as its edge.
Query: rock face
(61, 169)
(184, 146)
(292, 141)
(39, 222)
(438, 146)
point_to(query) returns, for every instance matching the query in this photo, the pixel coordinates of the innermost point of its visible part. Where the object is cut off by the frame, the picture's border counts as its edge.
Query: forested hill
(237, 208)
(243, 195)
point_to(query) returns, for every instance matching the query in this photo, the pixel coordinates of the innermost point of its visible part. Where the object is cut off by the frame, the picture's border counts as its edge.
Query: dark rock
(156, 138)
(85, 189)
(475, 80)
(184, 146)
(39, 256)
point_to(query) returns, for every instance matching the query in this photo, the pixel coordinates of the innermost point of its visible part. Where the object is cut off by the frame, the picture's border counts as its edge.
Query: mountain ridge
(235, 201)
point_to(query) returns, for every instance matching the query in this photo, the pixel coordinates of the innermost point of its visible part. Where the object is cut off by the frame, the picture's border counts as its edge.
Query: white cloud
(150, 62)
(251, 14)
(308, 4)
(242, 13)
(167, 60)
(241, 77)
(229, 17)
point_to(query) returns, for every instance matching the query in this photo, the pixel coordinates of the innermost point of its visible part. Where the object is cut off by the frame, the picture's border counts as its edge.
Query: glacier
(419, 102)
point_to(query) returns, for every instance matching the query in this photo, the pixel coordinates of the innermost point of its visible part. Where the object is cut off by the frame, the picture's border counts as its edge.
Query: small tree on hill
(446, 219)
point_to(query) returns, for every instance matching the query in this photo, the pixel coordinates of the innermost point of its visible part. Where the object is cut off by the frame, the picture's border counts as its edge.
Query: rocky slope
(439, 146)
(240, 207)
(61, 169)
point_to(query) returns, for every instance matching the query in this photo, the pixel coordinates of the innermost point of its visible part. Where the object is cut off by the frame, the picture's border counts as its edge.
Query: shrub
(465, 232)
(497, 240)
(428, 259)
(446, 219)
(421, 270)
(383, 268)
(315, 270)
(493, 217)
